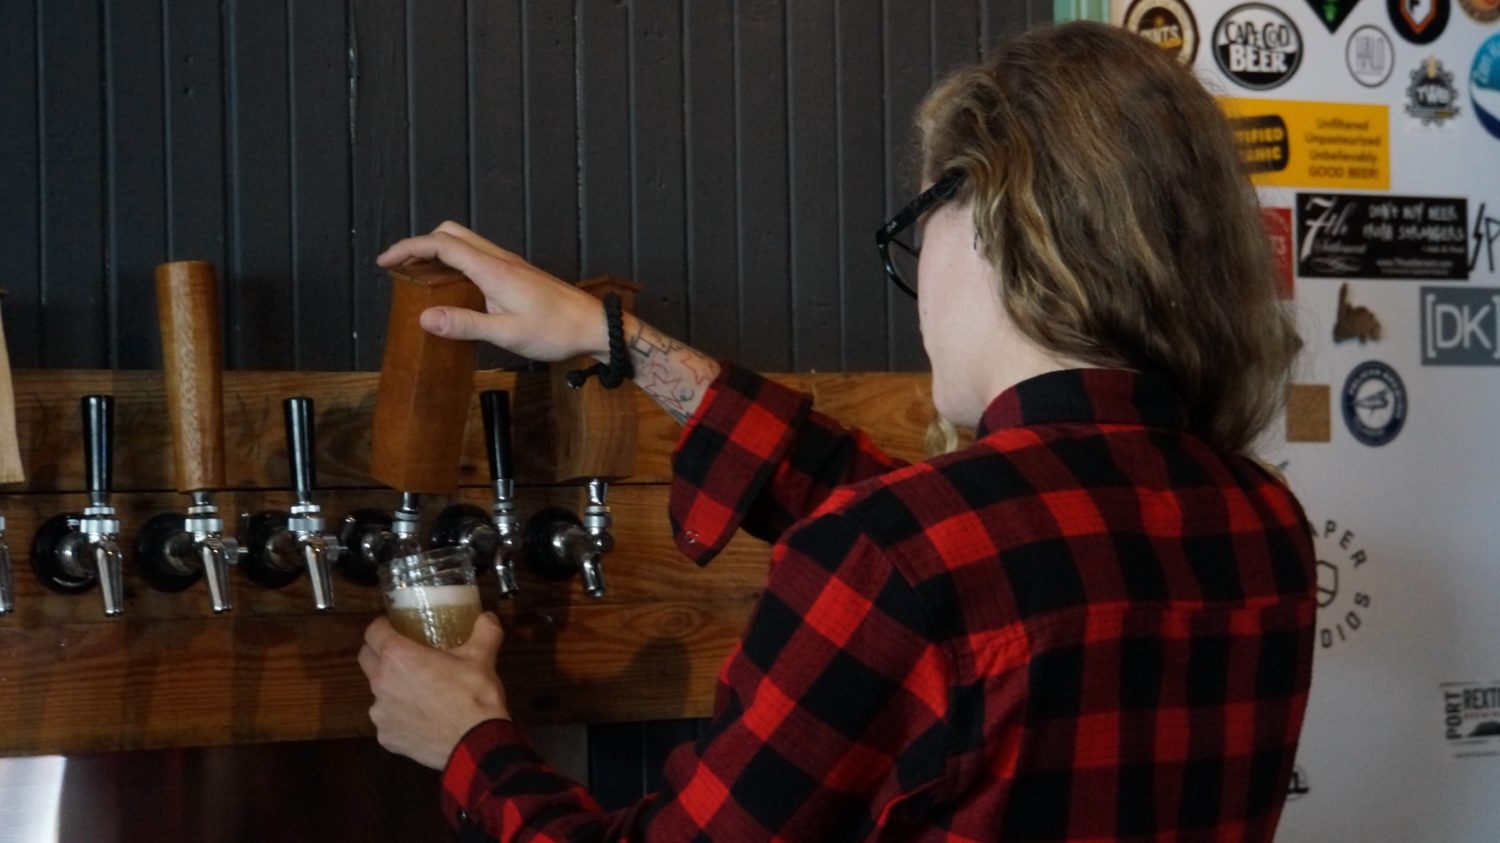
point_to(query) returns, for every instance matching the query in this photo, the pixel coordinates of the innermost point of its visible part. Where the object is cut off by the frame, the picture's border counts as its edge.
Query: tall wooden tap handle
(187, 305)
(11, 470)
(425, 383)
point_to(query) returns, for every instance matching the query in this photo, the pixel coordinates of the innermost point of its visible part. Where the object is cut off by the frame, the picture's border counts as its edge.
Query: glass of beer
(430, 597)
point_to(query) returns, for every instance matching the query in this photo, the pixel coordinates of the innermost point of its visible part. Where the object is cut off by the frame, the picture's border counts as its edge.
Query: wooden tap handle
(423, 399)
(187, 305)
(11, 470)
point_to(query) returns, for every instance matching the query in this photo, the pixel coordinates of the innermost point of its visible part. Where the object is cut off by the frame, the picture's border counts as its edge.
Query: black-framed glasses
(901, 262)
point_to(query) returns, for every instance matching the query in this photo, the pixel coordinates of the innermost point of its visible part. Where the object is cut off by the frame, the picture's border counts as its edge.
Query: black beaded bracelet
(619, 369)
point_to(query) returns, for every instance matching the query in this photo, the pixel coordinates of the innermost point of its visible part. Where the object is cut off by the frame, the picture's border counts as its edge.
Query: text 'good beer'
(439, 615)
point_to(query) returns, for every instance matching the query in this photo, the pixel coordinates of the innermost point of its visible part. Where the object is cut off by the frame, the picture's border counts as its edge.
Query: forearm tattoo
(671, 372)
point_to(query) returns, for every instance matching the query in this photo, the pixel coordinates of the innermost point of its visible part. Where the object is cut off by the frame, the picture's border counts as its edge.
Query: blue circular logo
(1374, 400)
(1484, 85)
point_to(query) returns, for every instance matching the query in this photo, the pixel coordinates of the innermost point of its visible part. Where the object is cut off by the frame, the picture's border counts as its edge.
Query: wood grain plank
(861, 144)
(713, 265)
(74, 307)
(659, 191)
(257, 282)
(136, 227)
(322, 275)
(381, 168)
(812, 122)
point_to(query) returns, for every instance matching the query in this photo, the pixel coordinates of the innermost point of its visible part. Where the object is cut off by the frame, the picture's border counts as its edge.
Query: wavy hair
(1109, 194)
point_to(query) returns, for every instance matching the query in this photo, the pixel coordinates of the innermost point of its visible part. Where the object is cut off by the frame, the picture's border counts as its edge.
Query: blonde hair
(1109, 194)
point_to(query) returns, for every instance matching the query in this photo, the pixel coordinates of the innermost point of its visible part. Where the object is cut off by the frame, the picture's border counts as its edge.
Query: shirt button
(691, 536)
(463, 816)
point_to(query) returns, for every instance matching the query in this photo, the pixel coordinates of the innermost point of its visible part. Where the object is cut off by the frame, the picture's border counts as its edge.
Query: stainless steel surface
(109, 562)
(315, 552)
(7, 600)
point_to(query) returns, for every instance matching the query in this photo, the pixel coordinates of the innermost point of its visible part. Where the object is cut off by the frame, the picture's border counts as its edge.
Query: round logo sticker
(1374, 400)
(1370, 56)
(1168, 24)
(1484, 85)
(1257, 46)
(1419, 21)
(1484, 11)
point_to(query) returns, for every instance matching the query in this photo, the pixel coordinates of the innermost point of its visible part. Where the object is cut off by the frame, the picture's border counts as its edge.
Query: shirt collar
(1086, 395)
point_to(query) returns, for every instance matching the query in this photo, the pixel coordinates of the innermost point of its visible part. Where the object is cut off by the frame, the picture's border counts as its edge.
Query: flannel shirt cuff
(476, 763)
(729, 451)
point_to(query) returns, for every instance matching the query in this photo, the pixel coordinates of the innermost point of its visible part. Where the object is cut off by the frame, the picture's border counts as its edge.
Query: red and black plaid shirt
(1087, 626)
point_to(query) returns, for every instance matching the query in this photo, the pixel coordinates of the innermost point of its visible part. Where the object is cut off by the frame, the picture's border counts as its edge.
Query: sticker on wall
(1484, 85)
(1169, 24)
(1486, 233)
(1354, 322)
(1460, 326)
(1419, 21)
(1298, 787)
(1471, 718)
(1370, 56)
(1286, 143)
(1332, 12)
(1484, 11)
(1342, 604)
(1309, 413)
(1278, 224)
(1431, 99)
(1389, 237)
(1374, 401)
(1257, 46)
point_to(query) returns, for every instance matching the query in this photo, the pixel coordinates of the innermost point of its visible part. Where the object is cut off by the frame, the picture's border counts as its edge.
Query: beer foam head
(433, 596)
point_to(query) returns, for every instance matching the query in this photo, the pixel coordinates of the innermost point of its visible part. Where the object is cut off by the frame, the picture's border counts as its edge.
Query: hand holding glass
(431, 597)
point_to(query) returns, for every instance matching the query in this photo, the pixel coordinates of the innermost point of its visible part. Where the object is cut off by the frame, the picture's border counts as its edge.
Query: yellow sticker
(1286, 143)
(1308, 414)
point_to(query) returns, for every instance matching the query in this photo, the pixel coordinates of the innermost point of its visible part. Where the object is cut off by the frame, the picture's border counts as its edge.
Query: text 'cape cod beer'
(439, 615)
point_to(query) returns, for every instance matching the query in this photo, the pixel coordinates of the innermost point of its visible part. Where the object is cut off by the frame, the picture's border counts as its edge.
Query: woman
(1094, 623)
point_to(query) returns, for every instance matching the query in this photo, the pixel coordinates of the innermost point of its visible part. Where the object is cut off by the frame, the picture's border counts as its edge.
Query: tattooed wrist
(672, 373)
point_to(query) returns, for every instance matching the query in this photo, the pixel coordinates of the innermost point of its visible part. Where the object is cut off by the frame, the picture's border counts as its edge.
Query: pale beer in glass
(431, 597)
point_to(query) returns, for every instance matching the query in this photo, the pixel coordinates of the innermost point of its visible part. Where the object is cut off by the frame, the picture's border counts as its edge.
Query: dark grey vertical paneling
(497, 138)
(380, 175)
(908, 75)
(812, 109)
(195, 131)
(658, 192)
(861, 144)
(437, 107)
(1039, 12)
(258, 285)
(75, 329)
(604, 138)
(713, 324)
(765, 282)
(552, 143)
(1000, 18)
(136, 229)
(321, 279)
(955, 35)
(20, 212)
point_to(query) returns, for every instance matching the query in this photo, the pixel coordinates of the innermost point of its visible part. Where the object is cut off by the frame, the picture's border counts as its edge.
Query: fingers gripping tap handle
(299, 446)
(495, 405)
(98, 442)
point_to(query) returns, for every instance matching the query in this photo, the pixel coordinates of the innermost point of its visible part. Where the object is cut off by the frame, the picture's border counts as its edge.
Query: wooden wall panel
(169, 674)
(606, 215)
(658, 126)
(861, 178)
(437, 116)
(812, 126)
(711, 159)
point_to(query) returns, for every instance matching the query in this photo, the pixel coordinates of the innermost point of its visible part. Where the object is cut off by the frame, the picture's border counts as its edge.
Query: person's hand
(530, 312)
(426, 700)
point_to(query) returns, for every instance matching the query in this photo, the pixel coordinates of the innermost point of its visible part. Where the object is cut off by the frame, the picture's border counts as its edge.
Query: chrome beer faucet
(559, 544)
(73, 551)
(7, 602)
(494, 538)
(283, 544)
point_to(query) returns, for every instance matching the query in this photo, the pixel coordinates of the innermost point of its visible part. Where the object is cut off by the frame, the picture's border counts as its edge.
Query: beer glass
(430, 597)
